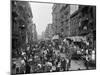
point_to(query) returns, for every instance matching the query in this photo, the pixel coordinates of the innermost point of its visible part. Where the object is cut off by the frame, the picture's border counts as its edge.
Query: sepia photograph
(52, 37)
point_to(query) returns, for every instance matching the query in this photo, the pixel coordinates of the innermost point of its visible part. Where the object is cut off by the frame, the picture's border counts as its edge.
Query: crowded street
(46, 57)
(52, 37)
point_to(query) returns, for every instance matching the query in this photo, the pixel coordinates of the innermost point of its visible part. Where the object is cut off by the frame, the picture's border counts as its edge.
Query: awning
(77, 38)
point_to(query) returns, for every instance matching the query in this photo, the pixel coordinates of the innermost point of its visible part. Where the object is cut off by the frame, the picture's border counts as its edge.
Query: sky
(42, 15)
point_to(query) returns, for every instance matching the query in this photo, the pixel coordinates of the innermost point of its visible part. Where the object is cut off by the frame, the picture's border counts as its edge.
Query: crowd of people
(43, 56)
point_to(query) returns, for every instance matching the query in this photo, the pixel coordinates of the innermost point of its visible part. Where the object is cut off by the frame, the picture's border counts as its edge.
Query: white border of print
(5, 36)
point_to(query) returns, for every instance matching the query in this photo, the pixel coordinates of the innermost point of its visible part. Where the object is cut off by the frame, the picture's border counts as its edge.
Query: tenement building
(88, 23)
(21, 20)
(62, 20)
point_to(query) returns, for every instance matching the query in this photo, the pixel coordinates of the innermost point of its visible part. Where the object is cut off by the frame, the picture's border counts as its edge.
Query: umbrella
(55, 37)
(48, 63)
